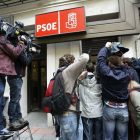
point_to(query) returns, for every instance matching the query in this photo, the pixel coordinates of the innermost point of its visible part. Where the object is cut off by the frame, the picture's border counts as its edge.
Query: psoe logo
(72, 21)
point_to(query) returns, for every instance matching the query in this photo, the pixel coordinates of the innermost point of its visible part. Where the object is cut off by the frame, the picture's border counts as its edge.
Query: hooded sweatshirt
(90, 96)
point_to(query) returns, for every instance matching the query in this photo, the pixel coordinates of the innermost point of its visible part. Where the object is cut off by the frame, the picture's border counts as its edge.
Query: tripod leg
(30, 132)
(18, 135)
(13, 137)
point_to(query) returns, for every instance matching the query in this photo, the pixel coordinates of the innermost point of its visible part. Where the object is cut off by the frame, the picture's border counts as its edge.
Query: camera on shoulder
(14, 34)
(117, 49)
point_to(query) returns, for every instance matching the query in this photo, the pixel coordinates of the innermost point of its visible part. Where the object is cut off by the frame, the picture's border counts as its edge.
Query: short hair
(66, 60)
(90, 67)
(115, 60)
(133, 84)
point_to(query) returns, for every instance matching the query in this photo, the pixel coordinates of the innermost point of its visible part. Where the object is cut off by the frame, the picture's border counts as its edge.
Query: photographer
(134, 108)
(69, 119)
(115, 78)
(8, 54)
(15, 82)
(91, 98)
(135, 78)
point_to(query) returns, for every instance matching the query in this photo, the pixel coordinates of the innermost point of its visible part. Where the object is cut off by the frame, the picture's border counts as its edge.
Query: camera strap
(22, 70)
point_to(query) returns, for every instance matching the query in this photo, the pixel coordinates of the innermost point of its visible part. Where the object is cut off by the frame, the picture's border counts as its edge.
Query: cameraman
(8, 54)
(115, 78)
(15, 82)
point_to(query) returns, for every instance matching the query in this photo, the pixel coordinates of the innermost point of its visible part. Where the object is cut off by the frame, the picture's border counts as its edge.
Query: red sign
(60, 22)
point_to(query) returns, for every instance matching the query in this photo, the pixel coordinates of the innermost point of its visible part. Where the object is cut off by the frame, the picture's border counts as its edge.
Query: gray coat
(91, 98)
(135, 108)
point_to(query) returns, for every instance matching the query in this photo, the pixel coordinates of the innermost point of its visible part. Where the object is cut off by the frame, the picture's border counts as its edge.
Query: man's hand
(33, 49)
(83, 75)
(20, 40)
(108, 44)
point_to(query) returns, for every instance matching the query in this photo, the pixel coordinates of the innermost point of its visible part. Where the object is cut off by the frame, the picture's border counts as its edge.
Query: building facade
(106, 20)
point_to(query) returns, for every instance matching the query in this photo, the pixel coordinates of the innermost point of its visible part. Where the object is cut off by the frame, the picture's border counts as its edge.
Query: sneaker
(15, 124)
(57, 138)
(5, 132)
(22, 121)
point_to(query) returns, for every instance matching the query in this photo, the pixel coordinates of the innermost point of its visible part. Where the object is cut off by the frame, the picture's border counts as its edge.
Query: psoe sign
(60, 22)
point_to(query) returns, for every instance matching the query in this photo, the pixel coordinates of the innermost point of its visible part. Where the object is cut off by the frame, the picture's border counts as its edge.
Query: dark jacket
(114, 79)
(135, 76)
(8, 54)
(22, 61)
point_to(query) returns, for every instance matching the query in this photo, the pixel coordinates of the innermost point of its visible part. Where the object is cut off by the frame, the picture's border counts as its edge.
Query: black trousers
(57, 127)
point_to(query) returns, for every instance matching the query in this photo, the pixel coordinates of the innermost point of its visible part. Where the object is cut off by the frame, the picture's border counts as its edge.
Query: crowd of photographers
(104, 91)
(107, 110)
(16, 52)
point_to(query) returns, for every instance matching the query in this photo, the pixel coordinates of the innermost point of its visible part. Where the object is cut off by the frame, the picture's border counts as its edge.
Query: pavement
(38, 126)
(38, 133)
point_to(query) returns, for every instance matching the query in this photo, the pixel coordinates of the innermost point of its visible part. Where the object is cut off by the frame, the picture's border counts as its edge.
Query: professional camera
(117, 49)
(29, 44)
(13, 32)
(10, 31)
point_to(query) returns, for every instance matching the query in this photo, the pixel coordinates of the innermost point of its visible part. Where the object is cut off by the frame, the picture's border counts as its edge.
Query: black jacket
(21, 63)
(114, 79)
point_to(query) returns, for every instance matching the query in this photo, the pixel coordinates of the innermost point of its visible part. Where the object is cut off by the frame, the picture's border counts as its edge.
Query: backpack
(56, 100)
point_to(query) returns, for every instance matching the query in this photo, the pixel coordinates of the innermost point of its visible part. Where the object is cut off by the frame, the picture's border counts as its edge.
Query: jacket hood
(90, 80)
(118, 69)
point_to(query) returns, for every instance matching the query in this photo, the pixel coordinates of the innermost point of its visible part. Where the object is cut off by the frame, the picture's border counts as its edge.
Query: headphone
(64, 58)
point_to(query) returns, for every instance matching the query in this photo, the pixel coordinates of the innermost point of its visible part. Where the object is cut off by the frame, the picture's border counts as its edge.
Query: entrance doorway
(37, 81)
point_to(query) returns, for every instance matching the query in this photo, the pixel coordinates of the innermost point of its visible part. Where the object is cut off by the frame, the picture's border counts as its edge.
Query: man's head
(66, 60)
(114, 60)
(90, 67)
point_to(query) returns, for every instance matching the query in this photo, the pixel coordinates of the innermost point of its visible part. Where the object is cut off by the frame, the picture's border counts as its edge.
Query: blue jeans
(115, 119)
(91, 125)
(2, 102)
(14, 110)
(68, 125)
(130, 130)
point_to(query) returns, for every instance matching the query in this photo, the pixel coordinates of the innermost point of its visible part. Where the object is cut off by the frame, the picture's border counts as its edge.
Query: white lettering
(38, 28)
(54, 26)
(43, 27)
(48, 27)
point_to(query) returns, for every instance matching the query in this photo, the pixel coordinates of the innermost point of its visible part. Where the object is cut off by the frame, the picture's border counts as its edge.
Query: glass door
(37, 84)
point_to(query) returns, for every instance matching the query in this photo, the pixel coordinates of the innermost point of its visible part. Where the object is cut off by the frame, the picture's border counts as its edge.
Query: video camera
(13, 32)
(29, 44)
